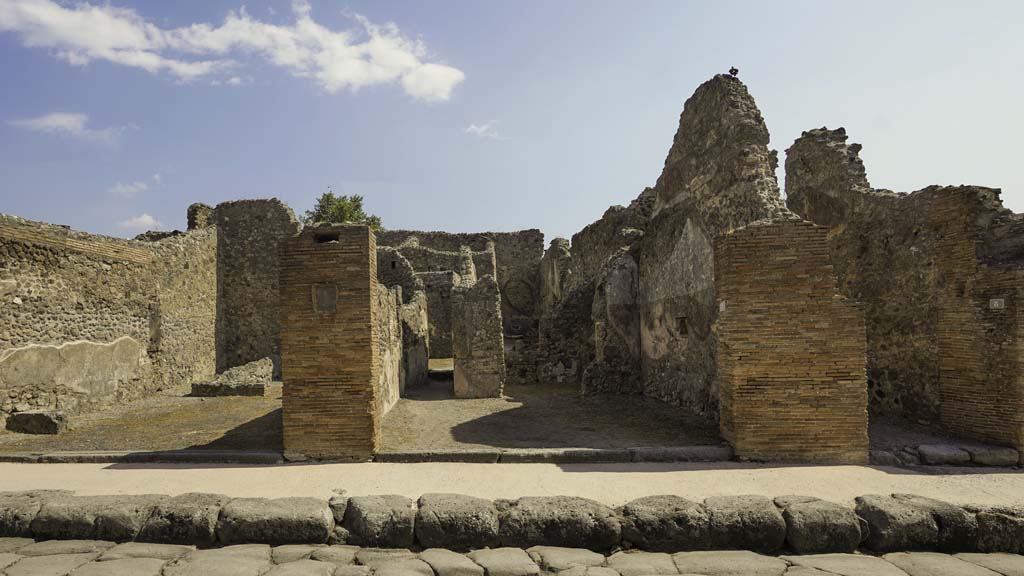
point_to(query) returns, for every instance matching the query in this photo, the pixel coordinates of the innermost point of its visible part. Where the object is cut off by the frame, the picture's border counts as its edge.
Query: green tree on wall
(340, 209)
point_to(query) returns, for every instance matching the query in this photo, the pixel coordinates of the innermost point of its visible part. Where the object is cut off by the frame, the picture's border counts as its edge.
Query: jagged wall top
(719, 163)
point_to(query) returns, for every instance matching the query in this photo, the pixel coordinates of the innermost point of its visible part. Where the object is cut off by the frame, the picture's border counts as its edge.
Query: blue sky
(471, 116)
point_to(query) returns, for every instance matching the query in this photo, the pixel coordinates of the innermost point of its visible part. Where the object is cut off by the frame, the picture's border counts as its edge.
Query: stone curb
(158, 457)
(798, 524)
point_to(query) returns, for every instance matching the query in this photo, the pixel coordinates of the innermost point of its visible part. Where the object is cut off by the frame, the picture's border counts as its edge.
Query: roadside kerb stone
(505, 562)
(895, 525)
(113, 518)
(665, 524)
(993, 455)
(1001, 530)
(708, 453)
(188, 519)
(566, 521)
(745, 523)
(943, 455)
(419, 456)
(448, 563)
(565, 456)
(640, 563)
(294, 520)
(19, 509)
(384, 521)
(456, 522)
(957, 528)
(816, 526)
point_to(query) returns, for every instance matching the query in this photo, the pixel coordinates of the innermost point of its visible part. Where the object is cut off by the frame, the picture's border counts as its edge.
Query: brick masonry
(329, 343)
(790, 349)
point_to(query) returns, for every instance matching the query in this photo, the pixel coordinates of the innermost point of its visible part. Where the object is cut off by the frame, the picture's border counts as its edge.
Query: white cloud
(69, 124)
(141, 222)
(487, 130)
(347, 59)
(130, 189)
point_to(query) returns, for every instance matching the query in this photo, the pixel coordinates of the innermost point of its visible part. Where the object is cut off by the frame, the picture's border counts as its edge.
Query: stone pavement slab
(640, 563)
(304, 567)
(846, 564)
(353, 570)
(556, 558)
(240, 560)
(6, 559)
(59, 565)
(935, 564)
(410, 567)
(728, 563)
(505, 562)
(338, 554)
(373, 557)
(294, 552)
(51, 547)
(123, 567)
(14, 544)
(1005, 564)
(588, 571)
(448, 563)
(145, 550)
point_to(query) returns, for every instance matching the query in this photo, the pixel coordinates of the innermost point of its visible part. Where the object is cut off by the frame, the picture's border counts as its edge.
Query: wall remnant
(791, 352)
(249, 235)
(330, 350)
(415, 339)
(199, 216)
(477, 339)
(438, 288)
(391, 376)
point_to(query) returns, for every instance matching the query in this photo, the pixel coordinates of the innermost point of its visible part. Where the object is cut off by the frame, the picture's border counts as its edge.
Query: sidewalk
(611, 484)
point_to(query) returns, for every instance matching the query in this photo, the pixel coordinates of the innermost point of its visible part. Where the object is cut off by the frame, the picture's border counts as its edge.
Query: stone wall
(330, 350)
(438, 287)
(616, 364)
(477, 343)
(415, 339)
(393, 269)
(89, 320)
(391, 376)
(249, 235)
(790, 350)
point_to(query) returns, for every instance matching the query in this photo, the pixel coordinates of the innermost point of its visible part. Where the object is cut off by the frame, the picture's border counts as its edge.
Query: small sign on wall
(325, 298)
(997, 304)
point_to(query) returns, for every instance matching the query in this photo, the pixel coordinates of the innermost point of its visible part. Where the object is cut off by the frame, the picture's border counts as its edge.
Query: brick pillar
(791, 351)
(329, 337)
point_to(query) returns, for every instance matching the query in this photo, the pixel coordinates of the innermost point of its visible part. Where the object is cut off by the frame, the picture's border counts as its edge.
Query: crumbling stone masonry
(249, 234)
(438, 287)
(791, 351)
(330, 343)
(477, 342)
(939, 272)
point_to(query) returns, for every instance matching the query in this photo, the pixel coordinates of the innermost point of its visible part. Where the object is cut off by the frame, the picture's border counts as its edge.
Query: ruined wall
(199, 215)
(89, 320)
(415, 339)
(565, 340)
(391, 376)
(438, 287)
(614, 314)
(792, 384)
(477, 344)
(393, 269)
(719, 175)
(249, 234)
(330, 351)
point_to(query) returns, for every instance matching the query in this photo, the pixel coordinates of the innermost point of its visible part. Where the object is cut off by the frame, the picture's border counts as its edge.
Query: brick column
(329, 334)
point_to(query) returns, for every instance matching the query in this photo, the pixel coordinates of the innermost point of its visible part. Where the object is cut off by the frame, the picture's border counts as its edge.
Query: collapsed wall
(477, 339)
(938, 271)
(88, 320)
(250, 233)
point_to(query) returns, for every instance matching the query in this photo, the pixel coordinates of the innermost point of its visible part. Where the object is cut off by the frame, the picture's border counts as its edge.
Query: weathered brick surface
(329, 343)
(791, 349)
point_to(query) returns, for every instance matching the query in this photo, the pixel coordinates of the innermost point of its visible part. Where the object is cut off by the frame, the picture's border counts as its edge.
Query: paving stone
(943, 455)
(57, 565)
(846, 564)
(557, 558)
(241, 560)
(145, 550)
(189, 519)
(375, 556)
(559, 521)
(806, 571)
(8, 545)
(385, 521)
(353, 571)
(1001, 531)
(745, 523)
(589, 571)
(728, 563)
(640, 563)
(337, 554)
(7, 558)
(122, 567)
(895, 525)
(993, 455)
(934, 564)
(505, 562)
(293, 552)
(410, 567)
(304, 567)
(51, 547)
(448, 563)
(275, 521)
(815, 526)
(1005, 564)
(18, 509)
(958, 528)
(665, 524)
(456, 522)
(38, 422)
(114, 518)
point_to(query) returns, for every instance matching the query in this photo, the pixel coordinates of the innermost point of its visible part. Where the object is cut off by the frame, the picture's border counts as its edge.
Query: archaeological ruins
(785, 321)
